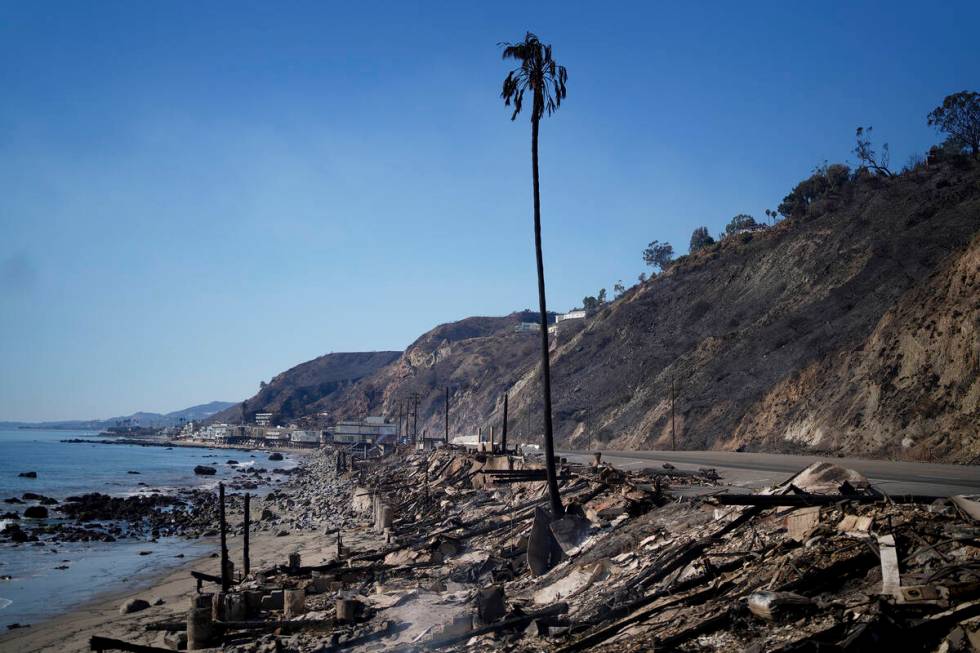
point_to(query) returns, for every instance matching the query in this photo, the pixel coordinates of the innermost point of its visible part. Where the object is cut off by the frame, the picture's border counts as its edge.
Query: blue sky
(197, 196)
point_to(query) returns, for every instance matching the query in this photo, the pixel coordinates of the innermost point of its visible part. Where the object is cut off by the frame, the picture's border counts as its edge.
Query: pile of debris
(457, 550)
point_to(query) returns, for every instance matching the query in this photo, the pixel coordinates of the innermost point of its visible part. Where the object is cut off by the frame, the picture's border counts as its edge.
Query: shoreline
(189, 445)
(99, 615)
(102, 578)
(271, 542)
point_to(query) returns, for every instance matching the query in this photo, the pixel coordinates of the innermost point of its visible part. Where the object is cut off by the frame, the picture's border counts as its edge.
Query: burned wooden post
(673, 437)
(447, 414)
(415, 420)
(225, 581)
(503, 438)
(246, 527)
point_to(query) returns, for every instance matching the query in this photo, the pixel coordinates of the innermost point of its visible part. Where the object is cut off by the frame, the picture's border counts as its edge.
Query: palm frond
(537, 72)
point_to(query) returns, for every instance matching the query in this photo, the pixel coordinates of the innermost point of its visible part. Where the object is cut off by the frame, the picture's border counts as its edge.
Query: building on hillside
(571, 315)
(369, 429)
(263, 419)
(527, 327)
(747, 230)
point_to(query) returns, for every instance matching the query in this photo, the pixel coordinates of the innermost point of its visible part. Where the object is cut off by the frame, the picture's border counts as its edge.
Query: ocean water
(50, 579)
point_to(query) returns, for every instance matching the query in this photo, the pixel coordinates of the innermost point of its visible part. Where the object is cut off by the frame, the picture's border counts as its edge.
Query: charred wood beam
(612, 629)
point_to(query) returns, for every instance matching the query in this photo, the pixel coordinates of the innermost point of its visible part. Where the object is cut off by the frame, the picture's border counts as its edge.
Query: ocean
(50, 579)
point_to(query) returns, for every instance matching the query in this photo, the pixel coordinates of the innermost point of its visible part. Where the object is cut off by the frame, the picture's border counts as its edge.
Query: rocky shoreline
(33, 518)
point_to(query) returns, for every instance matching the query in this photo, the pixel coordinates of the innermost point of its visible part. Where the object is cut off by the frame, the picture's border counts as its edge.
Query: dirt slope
(853, 329)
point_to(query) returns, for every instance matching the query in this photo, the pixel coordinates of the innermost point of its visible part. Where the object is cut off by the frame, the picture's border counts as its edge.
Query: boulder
(15, 533)
(36, 512)
(204, 470)
(133, 605)
(275, 456)
(28, 475)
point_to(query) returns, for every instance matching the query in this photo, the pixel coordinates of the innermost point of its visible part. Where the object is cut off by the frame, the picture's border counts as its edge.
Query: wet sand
(71, 632)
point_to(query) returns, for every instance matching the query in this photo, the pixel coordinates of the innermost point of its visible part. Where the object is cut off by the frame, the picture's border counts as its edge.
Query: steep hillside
(296, 391)
(851, 327)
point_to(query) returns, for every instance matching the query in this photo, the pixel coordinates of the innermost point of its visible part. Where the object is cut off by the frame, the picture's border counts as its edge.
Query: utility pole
(503, 438)
(415, 420)
(673, 436)
(400, 409)
(447, 414)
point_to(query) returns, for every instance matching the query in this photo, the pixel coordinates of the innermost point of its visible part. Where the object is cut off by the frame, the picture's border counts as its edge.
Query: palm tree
(545, 80)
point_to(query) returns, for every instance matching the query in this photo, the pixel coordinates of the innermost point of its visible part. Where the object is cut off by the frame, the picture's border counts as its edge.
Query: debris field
(456, 550)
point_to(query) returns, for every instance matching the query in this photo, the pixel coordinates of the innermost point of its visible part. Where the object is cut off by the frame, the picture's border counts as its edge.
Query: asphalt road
(759, 470)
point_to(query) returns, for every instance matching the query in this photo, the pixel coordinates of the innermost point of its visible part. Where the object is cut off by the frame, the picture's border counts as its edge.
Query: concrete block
(273, 600)
(294, 602)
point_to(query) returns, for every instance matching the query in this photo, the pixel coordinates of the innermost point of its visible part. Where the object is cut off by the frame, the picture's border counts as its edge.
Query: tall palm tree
(538, 74)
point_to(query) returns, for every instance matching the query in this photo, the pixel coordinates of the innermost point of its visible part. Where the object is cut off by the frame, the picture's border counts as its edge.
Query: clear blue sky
(197, 196)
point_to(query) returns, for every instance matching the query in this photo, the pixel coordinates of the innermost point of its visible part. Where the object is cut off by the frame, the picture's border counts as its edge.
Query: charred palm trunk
(549, 443)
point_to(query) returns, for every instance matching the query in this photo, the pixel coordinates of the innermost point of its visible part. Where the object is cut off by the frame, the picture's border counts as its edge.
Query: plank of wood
(891, 579)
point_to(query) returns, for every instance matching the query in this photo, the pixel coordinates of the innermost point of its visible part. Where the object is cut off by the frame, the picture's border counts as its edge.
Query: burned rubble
(454, 550)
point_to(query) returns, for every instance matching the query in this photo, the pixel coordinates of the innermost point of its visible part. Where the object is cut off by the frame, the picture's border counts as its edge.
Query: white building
(369, 429)
(571, 315)
(263, 419)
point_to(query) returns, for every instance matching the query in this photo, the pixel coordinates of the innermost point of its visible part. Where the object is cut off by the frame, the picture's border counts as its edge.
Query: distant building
(747, 230)
(571, 315)
(276, 435)
(305, 437)
(369, 430)
(526, 327)
(263, 419)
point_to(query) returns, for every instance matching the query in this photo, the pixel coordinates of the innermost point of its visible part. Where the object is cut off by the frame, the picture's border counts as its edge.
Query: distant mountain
(199, 412)
(194, 413)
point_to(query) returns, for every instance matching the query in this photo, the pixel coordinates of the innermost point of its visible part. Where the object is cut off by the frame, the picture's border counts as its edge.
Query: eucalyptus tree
(538, 75)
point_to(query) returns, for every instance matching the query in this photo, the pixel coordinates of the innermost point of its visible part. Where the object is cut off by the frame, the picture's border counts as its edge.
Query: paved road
(758, 470)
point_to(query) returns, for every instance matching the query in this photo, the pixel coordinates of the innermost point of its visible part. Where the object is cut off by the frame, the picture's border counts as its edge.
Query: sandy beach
(270, 545)
(71, 632)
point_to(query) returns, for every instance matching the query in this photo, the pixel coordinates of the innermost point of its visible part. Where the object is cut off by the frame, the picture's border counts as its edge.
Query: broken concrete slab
(801, 523)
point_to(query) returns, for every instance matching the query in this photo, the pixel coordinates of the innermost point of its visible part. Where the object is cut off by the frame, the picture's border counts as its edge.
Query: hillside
(851, 327)
(303, 389)
(141, 418)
